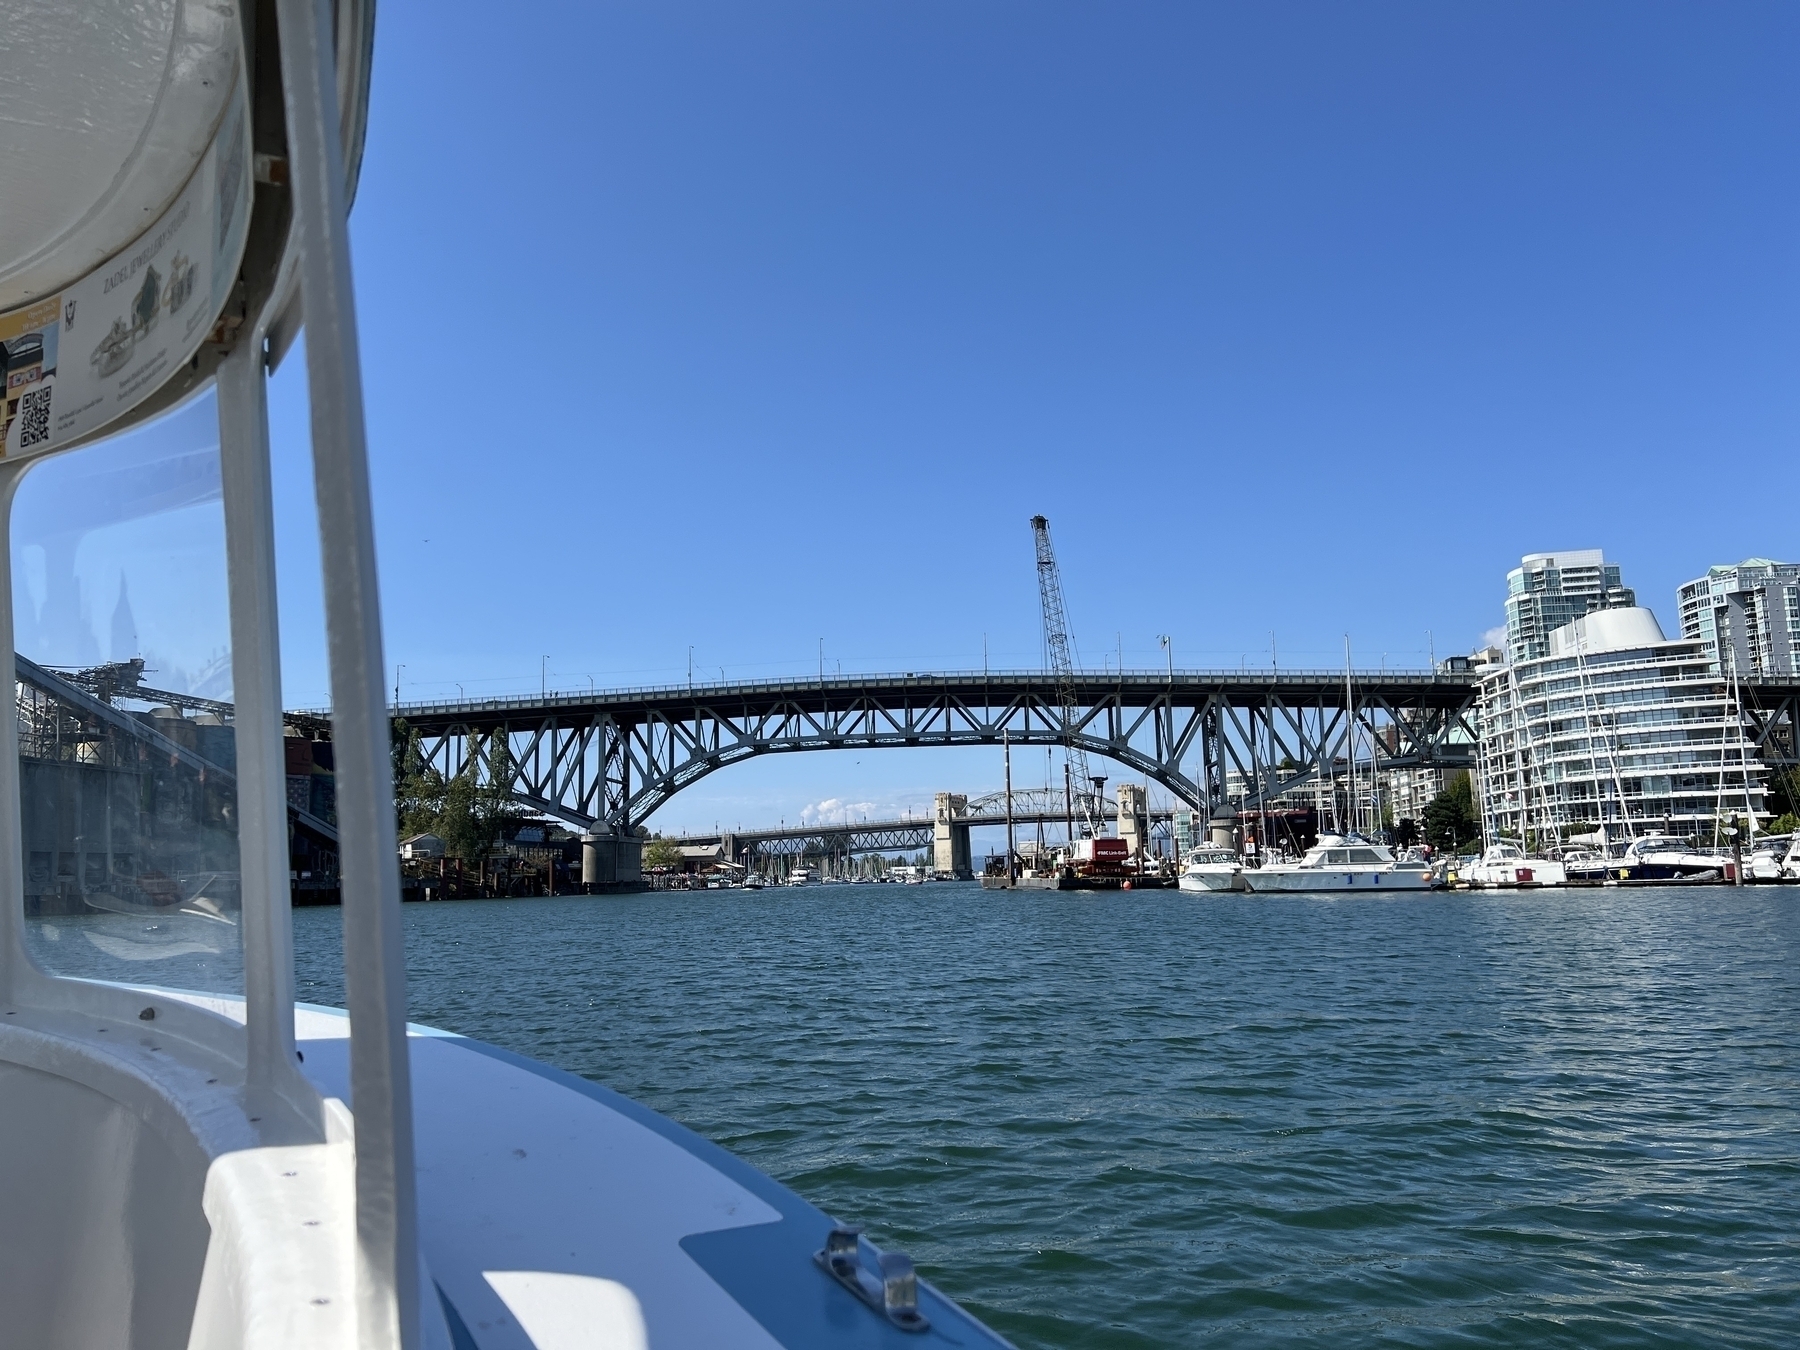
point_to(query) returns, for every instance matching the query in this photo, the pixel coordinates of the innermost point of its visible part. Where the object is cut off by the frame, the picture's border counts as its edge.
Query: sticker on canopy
(75, 361)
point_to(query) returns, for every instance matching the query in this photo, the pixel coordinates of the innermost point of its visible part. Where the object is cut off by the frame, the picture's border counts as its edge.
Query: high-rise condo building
(1548, 590)
(1747, 616)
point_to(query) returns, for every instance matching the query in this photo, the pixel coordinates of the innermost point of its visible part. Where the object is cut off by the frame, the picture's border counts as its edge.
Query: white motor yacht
(1776, 857)
(1506, 866)
(1654, 857)
(1341, 863)
(1212, 869)
(800, 876)
(229, 1169)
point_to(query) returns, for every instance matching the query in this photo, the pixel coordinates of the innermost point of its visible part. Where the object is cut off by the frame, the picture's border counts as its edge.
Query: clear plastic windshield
(127, 751)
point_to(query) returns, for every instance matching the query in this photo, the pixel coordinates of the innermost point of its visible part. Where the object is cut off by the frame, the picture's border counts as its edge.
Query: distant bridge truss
(825, 841)
(1030, 806)
(609, 760)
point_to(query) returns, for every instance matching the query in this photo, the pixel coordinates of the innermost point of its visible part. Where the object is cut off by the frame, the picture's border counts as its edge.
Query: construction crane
(1057, 647)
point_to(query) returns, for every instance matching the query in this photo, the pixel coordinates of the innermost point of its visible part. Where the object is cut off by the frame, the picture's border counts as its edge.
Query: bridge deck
(1309, 688)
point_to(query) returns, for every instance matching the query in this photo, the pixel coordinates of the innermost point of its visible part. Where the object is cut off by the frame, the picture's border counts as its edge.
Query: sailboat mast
(1006, 752)
(1352, 810)
(1743, 748)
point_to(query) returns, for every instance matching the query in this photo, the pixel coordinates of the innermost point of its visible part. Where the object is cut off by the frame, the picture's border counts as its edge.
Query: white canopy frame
(324, 50)
(388, 1274)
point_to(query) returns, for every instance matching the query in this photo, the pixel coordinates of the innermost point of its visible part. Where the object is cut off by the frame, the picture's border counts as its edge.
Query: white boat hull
(1278, 877)
(1515, 873)
(1212, 881)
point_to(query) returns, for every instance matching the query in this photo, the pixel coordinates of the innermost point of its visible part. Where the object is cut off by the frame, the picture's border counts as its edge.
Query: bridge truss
(1031, 806)
(1771, 711)
(831, 841)
(608, 761)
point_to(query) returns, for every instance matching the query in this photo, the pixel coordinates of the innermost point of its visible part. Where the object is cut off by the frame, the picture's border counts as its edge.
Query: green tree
(459, 823)
(468, 811)
(1784, 792)
(1450, 819)
(419, 788)
(1788, 823)
(661, 852)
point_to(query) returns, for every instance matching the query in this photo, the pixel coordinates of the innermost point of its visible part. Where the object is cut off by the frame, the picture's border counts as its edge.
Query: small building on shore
(421, 847)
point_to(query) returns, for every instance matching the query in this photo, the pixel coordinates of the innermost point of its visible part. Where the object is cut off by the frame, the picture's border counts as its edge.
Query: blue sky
(746, 326)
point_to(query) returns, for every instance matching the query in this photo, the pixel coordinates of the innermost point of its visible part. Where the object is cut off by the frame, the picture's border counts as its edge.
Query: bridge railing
(1150, 675)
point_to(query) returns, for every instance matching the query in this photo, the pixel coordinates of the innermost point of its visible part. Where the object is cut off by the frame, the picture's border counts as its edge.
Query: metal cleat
(894, 1293)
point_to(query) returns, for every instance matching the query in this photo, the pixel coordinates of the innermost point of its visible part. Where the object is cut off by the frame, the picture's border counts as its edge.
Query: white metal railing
(1138, 678)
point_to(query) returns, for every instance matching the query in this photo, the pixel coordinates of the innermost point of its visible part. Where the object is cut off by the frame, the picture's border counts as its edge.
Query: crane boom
(1062, 664)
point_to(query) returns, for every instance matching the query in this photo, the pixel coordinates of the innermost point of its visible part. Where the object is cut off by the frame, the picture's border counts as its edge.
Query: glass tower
(1746, 615)
(1547, 590)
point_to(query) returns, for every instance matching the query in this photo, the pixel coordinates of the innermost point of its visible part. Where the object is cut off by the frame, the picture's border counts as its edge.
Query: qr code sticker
(34, 416)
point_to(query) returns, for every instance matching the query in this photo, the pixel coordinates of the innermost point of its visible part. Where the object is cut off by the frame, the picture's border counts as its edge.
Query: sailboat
(233, 1169)
(1503, 865)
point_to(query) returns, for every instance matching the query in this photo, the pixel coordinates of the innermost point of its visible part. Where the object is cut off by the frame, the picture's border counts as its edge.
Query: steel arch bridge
(606, 761)
(1030, 806)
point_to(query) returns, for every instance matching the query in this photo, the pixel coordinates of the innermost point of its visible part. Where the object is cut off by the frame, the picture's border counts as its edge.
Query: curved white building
(1617, 728)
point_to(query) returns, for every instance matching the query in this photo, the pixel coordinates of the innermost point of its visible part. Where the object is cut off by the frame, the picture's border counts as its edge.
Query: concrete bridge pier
(1134, 816)
(611, 862)
(950, 837)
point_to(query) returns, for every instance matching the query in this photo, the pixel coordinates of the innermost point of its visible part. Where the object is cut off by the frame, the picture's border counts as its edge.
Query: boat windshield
(1355, 854)
(126, 745)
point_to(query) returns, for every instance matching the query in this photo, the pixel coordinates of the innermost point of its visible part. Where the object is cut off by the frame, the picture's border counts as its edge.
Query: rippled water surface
(1153, 1119)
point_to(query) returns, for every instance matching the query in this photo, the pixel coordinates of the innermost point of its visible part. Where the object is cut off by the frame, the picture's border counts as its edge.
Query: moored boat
(1212, 869)
(1506, 866)
(1775, 857)
(1342, 863)
(1653, 858)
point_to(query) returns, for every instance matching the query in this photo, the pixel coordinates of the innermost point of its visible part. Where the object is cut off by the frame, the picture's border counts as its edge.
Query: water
(1567, 1119)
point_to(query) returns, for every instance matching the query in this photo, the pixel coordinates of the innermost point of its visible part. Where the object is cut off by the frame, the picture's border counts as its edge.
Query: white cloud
(1495, 637)
(839, 811)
